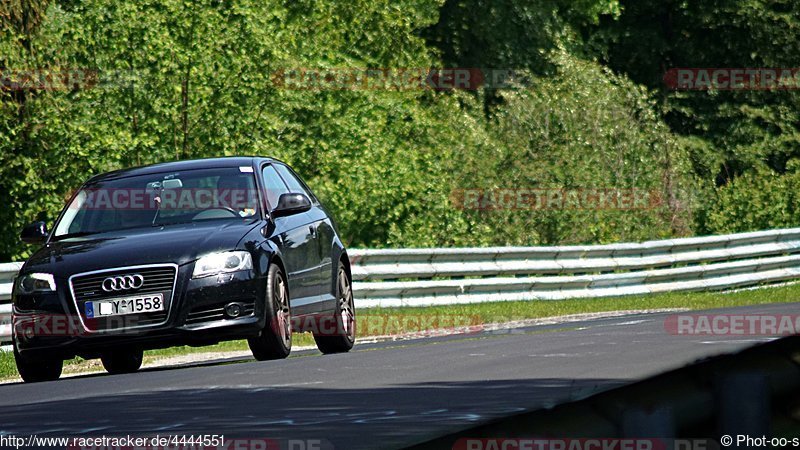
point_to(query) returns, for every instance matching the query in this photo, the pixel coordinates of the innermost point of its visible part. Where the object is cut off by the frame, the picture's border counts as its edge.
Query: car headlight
(35, 282)
(222, 263)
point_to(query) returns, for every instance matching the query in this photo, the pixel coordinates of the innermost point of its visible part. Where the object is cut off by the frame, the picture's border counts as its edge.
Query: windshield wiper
(76, 234)
(166, 224)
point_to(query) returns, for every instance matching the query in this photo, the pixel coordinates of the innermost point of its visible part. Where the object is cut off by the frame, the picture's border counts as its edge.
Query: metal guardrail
(438, 276)
(7, 273)
(419, 277)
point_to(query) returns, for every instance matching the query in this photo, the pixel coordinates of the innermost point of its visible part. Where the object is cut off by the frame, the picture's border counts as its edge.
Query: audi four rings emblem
(123, 282)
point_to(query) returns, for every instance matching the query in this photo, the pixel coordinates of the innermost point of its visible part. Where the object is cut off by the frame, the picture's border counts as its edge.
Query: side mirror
(35, 233)
(290, 204)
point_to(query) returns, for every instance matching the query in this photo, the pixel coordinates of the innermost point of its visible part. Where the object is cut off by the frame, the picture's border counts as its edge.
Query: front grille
(157, 279)
(210, 313)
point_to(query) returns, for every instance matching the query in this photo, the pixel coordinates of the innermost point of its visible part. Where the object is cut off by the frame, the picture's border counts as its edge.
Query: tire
(345, 318)
(34, 371)
(122, 361)
(274, 341)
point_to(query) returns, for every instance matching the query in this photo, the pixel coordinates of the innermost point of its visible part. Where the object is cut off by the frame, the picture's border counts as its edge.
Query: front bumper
(49, 324)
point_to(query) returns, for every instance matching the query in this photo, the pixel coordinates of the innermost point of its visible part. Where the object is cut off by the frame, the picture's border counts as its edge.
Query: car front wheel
(36, 370)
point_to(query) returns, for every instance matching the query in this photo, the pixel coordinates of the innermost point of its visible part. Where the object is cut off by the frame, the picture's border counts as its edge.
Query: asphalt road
(383, 395)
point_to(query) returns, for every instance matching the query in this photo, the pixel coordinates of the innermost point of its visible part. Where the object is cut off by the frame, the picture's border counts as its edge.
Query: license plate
(146, 303)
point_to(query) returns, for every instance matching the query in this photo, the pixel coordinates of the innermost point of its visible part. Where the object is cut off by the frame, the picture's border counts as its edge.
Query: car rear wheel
(122, 361)
(34, 371)
(275, 339)
(345, 319)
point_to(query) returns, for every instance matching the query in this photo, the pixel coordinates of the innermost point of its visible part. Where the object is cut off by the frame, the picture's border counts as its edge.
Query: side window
(294, 183)
(273, 185)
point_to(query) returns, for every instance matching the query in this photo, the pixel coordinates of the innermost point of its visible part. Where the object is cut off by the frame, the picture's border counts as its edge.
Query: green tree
(583, 129)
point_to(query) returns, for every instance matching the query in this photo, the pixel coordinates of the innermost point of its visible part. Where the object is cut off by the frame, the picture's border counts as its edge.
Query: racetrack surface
(383, 395)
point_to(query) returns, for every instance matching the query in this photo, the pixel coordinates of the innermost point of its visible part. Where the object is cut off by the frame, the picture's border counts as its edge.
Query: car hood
(178, 244)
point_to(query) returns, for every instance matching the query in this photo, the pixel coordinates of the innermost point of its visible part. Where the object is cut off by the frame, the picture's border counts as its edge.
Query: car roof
(176, 166)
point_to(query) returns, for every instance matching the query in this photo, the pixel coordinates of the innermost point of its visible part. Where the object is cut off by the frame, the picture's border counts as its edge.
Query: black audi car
(182, 253)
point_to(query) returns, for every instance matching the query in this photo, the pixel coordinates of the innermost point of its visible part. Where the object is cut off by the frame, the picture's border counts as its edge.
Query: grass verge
(384, 321)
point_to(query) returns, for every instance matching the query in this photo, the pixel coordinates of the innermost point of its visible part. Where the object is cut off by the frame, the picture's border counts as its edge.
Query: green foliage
(179, 80)
(731, 133)
(197, 80)
(755, 201)
(583, 129)
(511, 33)
(21, 17)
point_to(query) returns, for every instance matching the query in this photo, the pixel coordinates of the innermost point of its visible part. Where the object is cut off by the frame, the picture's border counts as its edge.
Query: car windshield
(161, 199)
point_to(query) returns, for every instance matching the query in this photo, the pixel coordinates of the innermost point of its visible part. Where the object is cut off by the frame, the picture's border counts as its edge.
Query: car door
(322, 236)
(296, 237)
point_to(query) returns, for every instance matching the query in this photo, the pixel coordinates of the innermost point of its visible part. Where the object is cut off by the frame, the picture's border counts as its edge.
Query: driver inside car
(238, 194)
